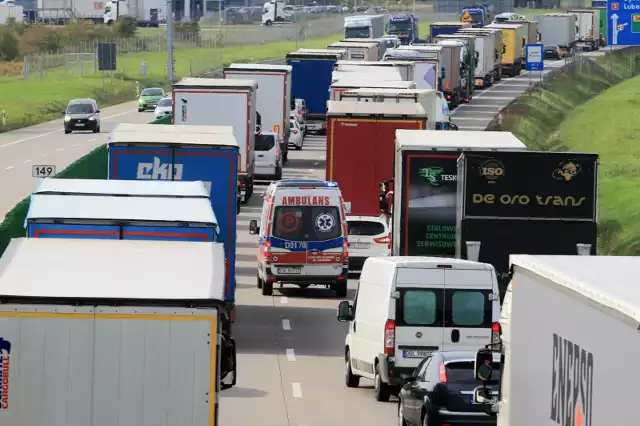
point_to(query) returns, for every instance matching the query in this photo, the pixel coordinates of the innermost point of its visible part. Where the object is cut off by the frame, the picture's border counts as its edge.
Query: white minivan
(269, 159)
(405, 308)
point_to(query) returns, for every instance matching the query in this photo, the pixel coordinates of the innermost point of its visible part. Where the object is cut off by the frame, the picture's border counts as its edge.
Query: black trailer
(525, 203)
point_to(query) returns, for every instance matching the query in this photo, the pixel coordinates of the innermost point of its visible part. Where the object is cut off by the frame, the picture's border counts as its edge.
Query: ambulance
(302, 236)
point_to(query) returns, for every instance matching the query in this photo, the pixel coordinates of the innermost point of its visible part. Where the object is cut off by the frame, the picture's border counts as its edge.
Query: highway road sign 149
(43, 171)
(534, 56)
(624, 23)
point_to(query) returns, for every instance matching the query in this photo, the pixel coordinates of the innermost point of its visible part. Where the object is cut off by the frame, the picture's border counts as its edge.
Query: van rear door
(468, 307)
(419, 315)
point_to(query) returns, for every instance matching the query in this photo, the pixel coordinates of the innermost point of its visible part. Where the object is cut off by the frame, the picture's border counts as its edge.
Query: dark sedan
(553, 51)
(440, 392)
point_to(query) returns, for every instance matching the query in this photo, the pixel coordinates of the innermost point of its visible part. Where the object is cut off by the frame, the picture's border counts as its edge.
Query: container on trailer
(219, 102)
(368, 73)
(211, 158)
(357, 51)
(404, 67)
(383, 43)
(438, 66)
(496, 43)
(424, 187)
(356, 83)
(588, 26)
(585, 341)
(557, 29)
(360, 147)
(311, 81)
(427, 98)
(531, 30)
(486, 54)
(442, 28)
(173, 130)
(525, 202)
(112, 332)
(514, 39)
(273, 96)
(123, 188)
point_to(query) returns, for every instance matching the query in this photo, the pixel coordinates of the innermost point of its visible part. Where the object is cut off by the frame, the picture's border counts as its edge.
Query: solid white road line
(286, 325)
(291, 355)
(297, 390)
(284, 300)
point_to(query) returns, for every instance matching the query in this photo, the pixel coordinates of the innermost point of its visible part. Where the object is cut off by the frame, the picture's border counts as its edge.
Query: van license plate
(359, 245)
(416, 354)
(289, 270)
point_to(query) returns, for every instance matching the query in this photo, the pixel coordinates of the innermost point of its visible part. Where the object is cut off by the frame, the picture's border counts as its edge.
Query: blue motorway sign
(534, 55)
(623, 18)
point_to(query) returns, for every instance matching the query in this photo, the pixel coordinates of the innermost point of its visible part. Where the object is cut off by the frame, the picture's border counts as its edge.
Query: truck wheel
(268, 23)
(260, 282)
(267, 288)
(350, 379)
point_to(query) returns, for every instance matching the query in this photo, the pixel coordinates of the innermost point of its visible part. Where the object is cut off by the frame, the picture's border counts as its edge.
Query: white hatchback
(296, 138)
(268, 156)
(164, 108)
(369, 236)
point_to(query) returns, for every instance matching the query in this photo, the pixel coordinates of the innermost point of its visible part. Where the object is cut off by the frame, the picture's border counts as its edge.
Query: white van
(302, 236)
(408, 307)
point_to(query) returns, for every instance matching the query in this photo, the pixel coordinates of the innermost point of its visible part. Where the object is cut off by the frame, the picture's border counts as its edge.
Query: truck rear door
(468, 307)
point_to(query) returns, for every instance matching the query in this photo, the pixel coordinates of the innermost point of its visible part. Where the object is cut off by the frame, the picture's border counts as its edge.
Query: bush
(9, 50)
(184, 28)
(125, 27)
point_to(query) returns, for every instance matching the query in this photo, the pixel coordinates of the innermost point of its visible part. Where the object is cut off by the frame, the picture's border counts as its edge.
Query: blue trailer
(404, 26)
(446, 28)
(311, 80)
(211, 158)
(106, 217)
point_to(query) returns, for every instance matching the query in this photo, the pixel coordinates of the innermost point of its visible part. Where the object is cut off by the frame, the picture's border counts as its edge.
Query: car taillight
(384, 240)
(447, 97)
(443, 373)
(495, 333)
(389, 337)
(267, 252)
(345, 252)
(555, 52)
(295, 132)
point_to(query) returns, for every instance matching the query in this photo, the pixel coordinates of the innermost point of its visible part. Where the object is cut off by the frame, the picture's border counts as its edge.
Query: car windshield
(165, 102)
(362, 32)
(265, 142)
(365, 228)
(399, 27)
(80, 109)
(152, 92)
(306, 223)
(462, 372)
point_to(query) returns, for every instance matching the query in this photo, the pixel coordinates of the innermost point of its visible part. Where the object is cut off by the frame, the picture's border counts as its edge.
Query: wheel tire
(350, 379)
(260, 282)
(299, 148)
(381, 390)
(267, 288)
(238, 204)
(66, 132)
(278, 175)
(341, 291)
(96, 129)
(140, 109)
(401, 421)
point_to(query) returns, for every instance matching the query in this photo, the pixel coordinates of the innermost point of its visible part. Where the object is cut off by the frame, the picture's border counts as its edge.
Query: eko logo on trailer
(5, 359)
(162, 171)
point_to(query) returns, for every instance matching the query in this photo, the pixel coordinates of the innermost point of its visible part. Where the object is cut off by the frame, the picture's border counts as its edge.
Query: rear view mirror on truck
(253, 227)
(345, 312)
(482, 365)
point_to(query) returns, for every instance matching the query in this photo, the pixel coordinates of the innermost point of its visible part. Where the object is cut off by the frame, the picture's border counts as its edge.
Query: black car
(553, 51)
(82, 115)
(440, 392)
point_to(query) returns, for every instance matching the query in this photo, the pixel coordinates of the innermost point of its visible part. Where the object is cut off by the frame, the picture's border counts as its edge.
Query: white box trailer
(486, 58)
(273, 95)
(587, 27)
(172, 130)
(496, 43)
(372, 83)
(388, 74)
(14, 11)
(428, 99)
(110, 332)
(357, 51)
(404, 67)
(569, 337)
(221, 102)
(388, 70)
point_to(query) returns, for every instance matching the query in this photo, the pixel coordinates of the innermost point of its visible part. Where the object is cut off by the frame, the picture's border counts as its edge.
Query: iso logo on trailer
(5, 360)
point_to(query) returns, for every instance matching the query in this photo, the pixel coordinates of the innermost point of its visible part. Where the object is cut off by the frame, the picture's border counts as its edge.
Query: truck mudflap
(484, 81)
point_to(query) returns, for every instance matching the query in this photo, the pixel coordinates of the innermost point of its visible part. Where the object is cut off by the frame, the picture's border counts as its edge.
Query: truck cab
(405, 26)
(274, 11)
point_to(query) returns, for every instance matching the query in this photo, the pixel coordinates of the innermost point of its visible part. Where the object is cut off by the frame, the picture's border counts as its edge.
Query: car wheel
(267, 288)
(401, 421)
(260, 282)
(140, 109)
(96, 129)
(298, 148)
(380, 389)
(350, 379)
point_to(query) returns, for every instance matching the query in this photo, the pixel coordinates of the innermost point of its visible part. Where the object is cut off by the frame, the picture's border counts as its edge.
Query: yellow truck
(112, 332)
(514, 39)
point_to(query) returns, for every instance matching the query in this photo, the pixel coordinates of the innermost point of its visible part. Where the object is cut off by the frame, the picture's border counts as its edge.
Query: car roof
(82, 101)
(380, 219)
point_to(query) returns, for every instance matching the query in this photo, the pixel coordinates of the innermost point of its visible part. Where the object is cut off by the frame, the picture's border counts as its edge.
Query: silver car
(82, 115)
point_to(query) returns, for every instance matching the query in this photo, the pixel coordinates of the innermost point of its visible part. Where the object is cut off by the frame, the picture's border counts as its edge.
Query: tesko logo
(435, 176)
(5, 360)
(159, 170)
(492, 170)
(183, 110)
(566, 171)
(571, 384)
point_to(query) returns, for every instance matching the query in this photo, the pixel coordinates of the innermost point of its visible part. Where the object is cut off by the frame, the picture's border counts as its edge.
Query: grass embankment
(33, 100)
(593, 111)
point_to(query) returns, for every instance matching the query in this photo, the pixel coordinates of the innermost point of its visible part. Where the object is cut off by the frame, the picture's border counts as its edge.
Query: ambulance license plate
(415, 354)
(291, 271)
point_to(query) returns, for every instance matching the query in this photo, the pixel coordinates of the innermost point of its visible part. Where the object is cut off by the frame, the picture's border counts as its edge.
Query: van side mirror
(228, 362)
(253, 227)
(482, 365)
(383, 204)
(345, 312)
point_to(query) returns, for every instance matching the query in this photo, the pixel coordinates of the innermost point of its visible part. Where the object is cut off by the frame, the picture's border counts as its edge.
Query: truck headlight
(67, 118)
